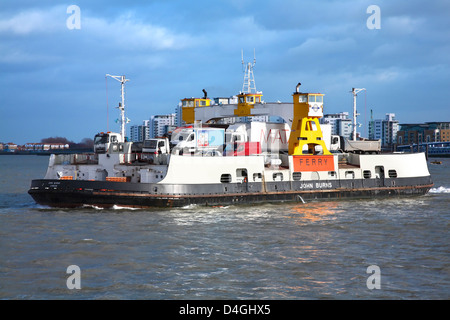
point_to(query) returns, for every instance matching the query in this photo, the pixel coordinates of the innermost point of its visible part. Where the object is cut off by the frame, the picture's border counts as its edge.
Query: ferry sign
(313, 163)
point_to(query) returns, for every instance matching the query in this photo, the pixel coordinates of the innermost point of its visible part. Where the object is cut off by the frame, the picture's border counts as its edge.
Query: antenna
(121, 106)
(107, 105)
(249, 79)
(354, 92)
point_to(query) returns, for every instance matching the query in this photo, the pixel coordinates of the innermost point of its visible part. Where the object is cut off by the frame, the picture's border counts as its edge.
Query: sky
(52, 68)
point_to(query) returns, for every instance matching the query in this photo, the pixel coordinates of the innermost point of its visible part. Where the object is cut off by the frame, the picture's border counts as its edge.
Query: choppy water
(285, 251)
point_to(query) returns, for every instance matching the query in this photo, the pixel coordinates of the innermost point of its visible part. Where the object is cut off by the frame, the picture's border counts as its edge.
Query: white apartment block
(340, 123)
(384, 129)
(161, 124)
(140, 132)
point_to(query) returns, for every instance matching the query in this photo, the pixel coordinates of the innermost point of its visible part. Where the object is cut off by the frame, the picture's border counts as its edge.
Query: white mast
(354, 92)
(249, 79)
(122, 81)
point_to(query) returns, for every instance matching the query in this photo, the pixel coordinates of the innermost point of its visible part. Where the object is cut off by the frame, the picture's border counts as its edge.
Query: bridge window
(314, 98)
(188, 103)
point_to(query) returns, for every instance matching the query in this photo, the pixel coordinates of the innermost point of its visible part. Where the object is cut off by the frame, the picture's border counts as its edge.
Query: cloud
(402, 25)
(128, 32)
(324, 46)
(173, 49)
(34, 21)
(240, 32)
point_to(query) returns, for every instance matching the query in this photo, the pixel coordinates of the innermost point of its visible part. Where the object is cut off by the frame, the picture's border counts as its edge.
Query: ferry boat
(209, 162)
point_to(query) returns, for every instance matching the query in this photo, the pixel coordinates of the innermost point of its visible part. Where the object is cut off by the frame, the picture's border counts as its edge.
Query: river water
(286, 251)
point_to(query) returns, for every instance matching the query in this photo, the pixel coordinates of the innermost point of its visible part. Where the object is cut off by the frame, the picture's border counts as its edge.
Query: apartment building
(385, 130)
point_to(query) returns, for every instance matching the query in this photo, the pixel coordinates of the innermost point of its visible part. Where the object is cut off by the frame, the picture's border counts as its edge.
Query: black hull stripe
(59, 198)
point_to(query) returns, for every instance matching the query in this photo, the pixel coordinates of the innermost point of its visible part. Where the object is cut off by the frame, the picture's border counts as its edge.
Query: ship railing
(75, 159)
(146, 158)
(226, 150)
(164, 159)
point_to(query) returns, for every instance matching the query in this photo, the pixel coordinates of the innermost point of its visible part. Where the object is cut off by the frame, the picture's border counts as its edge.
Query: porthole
(296, 176)
(225, 178)
(392, 173)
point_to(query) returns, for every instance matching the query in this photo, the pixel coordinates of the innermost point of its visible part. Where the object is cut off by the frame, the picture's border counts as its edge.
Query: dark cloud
(53, 79)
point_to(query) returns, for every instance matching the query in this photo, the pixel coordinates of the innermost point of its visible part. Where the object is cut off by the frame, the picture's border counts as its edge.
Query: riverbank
(45, 152)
